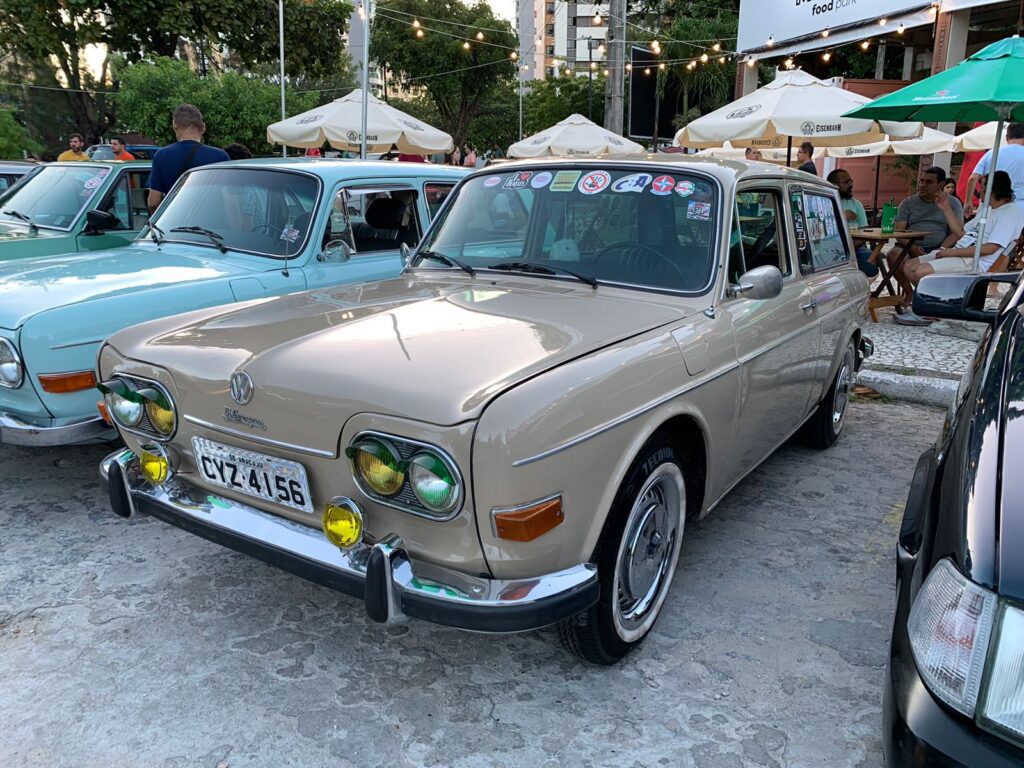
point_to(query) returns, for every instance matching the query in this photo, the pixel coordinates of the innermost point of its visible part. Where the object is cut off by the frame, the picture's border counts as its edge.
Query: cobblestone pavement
(914, 349)
(127, 644)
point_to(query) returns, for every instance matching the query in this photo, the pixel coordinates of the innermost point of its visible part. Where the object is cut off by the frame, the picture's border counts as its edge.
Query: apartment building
(559, 35)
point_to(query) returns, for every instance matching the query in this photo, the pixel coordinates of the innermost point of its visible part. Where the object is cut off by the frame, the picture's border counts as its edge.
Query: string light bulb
(751, 61)
(600, 49)
(826, 56)
(661, 65)
(825, 32)
(704, 58)
(647, 70)
(606, 73)
(597, 18)
(691, 65)
(419, 33)
(900, 30)
(593, 65)
(629, 67)
(865, 45)
(416, 23)
(771, 40)
(465, 45)
(883, 21)
(716, 47)
(789, 63)
(513, 55)
(721, 59)
(479, 35)
(568, 71)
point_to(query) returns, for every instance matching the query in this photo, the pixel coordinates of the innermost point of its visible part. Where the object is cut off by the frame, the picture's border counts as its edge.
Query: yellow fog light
(161, 418)
(343, 523)
(154, 464)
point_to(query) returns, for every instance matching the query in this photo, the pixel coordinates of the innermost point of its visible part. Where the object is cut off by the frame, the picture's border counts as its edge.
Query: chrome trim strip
(427, 583)
(77, 344)
(599, 430)
(444, 456)
(14, 431)
(497, 510)
(258, 439)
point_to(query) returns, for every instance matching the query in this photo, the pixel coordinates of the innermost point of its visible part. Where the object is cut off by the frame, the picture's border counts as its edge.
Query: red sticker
(594, 182)
(663, 185)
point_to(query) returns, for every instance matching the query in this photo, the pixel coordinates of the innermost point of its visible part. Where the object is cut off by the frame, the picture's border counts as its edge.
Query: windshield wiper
(157, 233)
(542, 269)
(448, 260)
(213, 236)
(23, 217)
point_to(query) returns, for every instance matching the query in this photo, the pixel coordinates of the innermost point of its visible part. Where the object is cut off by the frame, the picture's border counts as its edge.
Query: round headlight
(127, 413)
(433, 482)
(161, 418)
(378, 465)
(11, 371)
(155, 464)
(343, 523)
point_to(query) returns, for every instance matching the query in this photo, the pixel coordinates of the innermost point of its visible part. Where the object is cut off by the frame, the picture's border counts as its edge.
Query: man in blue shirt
(187, 152)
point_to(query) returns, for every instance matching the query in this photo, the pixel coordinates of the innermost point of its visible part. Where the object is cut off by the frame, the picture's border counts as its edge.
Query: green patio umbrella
(986, 86)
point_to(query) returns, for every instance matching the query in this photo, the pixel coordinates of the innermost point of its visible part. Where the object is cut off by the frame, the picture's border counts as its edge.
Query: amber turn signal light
(529, 522)
(63, 383)
(104, 412)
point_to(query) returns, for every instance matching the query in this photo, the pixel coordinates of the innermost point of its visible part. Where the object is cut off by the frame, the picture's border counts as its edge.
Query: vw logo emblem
(241, 388)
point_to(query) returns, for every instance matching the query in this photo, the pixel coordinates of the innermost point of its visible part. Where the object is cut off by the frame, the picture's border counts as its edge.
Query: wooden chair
(1012, 259)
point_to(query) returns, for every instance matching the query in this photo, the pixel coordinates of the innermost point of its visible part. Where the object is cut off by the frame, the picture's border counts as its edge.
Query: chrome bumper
(14, 431)
(382, 574)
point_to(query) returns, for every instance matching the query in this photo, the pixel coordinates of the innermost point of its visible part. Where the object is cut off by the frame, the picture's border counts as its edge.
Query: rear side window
(821, 238)
(434, 193)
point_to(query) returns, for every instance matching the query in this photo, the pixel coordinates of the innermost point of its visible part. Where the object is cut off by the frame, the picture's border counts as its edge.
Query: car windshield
(624, 225)
(258, 210)
(55, 196)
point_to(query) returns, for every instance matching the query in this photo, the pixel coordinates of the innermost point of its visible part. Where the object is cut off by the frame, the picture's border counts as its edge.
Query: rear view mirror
(97, 221)
(759, 283)
(962, 296)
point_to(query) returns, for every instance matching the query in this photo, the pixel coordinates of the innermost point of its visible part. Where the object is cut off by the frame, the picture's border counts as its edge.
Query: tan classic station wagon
(513, 433)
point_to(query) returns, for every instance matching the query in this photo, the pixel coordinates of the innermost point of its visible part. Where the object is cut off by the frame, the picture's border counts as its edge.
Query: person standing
(456, 156)
(470, 159)
(805, 156)
(75, 144)
(120, 152)
(1011, 160)
(170, 162)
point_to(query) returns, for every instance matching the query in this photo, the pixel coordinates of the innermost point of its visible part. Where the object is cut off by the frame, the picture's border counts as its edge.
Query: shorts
(949, 264)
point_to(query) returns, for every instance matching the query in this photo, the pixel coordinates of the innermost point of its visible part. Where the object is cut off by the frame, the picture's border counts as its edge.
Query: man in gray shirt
(931, 211)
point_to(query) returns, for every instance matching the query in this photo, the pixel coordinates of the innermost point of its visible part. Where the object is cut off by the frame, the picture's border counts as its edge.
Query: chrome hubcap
(649, 551)
(844, 382)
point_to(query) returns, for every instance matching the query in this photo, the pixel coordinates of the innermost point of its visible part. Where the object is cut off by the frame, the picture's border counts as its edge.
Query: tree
(554, 99)
(14, 139)
(234, 107)
(458, 80)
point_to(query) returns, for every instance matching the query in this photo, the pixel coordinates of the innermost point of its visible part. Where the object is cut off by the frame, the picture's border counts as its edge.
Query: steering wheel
(272, 229)
(638, 255)
(765, 239)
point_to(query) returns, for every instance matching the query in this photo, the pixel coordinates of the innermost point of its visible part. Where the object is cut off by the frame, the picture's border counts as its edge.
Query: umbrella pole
(878, 168)
(366, 77)
(789, 151)
(985, 210)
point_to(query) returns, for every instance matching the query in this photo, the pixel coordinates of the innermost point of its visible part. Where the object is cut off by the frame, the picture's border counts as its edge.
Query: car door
(823, 253)
(776, 339)
(373, 219)
(125, 198)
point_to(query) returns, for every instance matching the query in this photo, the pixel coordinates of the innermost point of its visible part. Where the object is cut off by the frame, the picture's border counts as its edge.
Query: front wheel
(825, 426)
(636, 558)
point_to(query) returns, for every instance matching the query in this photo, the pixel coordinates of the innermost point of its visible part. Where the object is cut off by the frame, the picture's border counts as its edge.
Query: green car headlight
(377, 465)
(433, 482)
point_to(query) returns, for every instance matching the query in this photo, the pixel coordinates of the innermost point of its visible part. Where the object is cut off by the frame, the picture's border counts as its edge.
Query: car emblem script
(241, 388)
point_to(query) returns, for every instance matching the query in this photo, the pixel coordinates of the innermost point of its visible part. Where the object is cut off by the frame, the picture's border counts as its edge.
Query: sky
(506, 9)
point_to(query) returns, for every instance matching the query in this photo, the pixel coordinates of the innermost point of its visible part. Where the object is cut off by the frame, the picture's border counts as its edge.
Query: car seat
(387, 226)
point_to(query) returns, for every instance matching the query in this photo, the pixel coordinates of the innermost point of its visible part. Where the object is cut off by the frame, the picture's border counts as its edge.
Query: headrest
(386, 213)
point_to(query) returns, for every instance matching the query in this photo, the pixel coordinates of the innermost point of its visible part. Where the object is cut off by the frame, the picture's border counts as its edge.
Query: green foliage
(235, 107)
(14, 139)
(552, 100)
(458, 81)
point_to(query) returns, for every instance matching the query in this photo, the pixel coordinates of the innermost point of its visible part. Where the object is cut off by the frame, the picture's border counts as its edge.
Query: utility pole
(590, 78)
(615, 83)
(280, 34)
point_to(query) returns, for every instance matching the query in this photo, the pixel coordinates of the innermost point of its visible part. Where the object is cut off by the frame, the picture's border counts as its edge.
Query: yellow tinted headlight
(343, 523)
(154, 464)
(161, 418)
(378, 465)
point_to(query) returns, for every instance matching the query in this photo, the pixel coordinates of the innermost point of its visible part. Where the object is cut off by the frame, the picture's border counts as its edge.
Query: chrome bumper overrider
(14, 431)
(390, 583)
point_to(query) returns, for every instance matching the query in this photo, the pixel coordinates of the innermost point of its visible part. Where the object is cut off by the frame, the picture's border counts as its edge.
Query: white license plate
(265, 477)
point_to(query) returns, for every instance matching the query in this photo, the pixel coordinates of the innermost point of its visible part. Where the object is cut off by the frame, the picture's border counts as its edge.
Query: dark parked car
(954, 692)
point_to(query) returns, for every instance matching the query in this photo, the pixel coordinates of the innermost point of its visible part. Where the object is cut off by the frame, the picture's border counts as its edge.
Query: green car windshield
(627, 226)
(55, 196)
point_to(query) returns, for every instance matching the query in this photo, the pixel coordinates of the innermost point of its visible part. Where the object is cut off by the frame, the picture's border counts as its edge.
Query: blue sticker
(541, 180)
(636, 183)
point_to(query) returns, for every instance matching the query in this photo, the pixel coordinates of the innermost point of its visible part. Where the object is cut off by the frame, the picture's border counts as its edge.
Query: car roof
(723, 168)
(18, 165)
(106, 163)
(342, 168)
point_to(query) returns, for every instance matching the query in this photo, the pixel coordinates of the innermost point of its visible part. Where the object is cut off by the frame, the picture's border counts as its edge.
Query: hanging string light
(513, 55)
(647, 70)
(479, 35)
(900, 30)
(826, 56)
(716, 47)
(661, 65)
(465, 45)
(771, 40)
(704, 58)
(606, 73)
(883, 21)
(721, 59)
(825, 33)
(416, 23)
(419, 33)
(751, 61)
(865, 45)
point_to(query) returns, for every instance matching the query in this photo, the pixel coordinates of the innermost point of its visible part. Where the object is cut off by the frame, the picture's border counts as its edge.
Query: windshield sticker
(636, 183)
(594, 182)
(663, 185)
(698, 211)
(518, 180)
(290, 234)
(565, 181)
(685, 188)
(541, 180)
(492, 181)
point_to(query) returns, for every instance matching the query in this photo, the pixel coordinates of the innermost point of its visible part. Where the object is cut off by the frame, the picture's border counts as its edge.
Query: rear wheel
(825, 426)
(636, 558)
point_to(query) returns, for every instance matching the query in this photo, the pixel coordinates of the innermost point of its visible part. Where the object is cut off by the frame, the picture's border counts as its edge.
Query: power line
(442, 21)
(474, 40)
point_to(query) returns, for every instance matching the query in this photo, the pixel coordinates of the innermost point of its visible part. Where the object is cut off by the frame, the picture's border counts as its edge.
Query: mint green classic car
(70, 207)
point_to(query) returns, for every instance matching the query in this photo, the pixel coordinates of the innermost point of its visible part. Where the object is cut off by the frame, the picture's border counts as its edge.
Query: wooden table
(904, 242)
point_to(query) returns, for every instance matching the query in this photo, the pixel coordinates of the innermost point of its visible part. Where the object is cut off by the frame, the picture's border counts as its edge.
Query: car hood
(33, 286)
(426, 348)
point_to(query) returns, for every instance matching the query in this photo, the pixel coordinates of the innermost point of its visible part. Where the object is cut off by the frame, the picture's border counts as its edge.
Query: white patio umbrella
(339, 123)
(929, 142)
(729, 152)
(574, 136)
(796, 106)
(979, 139)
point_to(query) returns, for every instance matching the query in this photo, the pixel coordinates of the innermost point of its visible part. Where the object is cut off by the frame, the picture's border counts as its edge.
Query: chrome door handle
(809, 306)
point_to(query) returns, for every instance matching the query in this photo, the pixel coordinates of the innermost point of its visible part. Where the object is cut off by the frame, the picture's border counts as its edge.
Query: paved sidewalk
(919, 364)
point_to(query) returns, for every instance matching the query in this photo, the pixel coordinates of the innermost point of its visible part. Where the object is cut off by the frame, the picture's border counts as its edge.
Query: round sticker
(594, 182)
(663, 185)
(541, 180)
(685, 188)
(492, 181)
(93, 182)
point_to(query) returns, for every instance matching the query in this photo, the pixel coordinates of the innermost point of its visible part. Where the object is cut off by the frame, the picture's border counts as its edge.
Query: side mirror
(406, 253)
(962, 296)
(336, 250)
(97, 221)
(759, 283)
